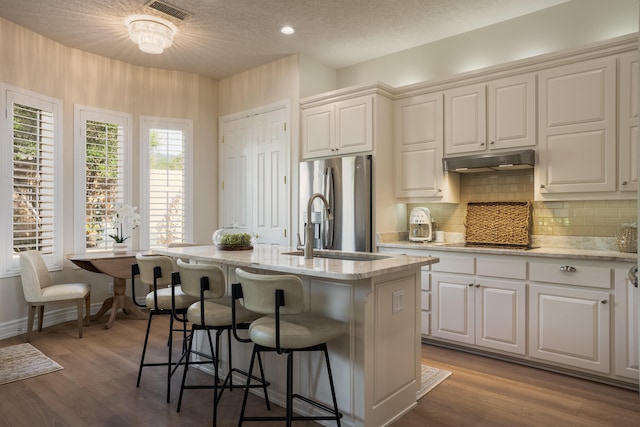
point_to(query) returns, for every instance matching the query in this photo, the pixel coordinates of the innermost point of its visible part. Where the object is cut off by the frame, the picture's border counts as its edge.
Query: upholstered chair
(212, 312)
(285, 328)
(39, 290)
(163, 299)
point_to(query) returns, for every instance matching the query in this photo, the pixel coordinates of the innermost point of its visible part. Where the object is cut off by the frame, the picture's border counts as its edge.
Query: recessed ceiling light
(287, 30)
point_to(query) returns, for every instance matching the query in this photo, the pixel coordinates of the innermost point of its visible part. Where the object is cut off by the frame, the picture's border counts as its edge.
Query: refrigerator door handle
(328, 226)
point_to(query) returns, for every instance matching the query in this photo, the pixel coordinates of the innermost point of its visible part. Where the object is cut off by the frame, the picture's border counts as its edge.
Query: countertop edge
(542, 252)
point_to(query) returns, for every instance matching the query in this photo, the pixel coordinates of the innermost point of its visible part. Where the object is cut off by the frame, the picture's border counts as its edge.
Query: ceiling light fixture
(287, 30)
(152, 35)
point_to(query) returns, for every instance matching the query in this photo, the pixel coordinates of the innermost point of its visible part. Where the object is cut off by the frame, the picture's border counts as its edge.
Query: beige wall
(568, 25)
(32, 62)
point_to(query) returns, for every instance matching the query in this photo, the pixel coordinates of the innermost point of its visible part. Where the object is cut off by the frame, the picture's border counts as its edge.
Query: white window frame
(82, 114)
(186, 126)
(9, 262)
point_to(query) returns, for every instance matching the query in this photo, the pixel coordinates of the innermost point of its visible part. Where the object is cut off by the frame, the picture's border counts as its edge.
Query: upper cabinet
(497, 115)
(418, 153)
(577, 122)
(338, 128)
(628, 123)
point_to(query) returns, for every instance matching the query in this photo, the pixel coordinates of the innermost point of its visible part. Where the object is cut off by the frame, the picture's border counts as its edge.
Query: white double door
(254, 171)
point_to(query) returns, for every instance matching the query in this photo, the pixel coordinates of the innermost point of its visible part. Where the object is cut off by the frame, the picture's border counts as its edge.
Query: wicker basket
(498, 223)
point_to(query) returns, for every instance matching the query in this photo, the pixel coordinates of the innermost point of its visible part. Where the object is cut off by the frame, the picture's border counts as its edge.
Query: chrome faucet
(308, 241)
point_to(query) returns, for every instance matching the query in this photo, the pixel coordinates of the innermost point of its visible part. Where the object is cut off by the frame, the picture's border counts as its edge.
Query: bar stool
(285, 329)
(211, 312)
(164, 299)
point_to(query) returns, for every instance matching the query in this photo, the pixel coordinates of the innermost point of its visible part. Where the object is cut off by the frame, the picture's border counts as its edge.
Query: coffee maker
(420, 225)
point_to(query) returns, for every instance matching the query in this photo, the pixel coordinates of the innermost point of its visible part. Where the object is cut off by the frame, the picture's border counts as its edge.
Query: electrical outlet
(398, 301)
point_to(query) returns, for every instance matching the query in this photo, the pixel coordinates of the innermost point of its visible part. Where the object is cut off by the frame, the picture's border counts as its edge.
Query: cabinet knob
(604, 301)
(439, 190)
(624, 182)
(568, 268)
(482, 144)
(471, 285)
(478, 285)
(541, 185)
(492, 142)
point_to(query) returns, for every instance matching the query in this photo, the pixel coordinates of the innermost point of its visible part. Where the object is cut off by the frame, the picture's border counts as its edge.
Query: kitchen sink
(345, 256)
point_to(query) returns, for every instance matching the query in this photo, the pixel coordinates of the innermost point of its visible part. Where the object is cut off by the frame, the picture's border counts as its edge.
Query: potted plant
(125, 218)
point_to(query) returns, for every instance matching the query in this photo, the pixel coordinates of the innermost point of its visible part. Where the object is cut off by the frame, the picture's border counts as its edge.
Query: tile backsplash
(600, 218)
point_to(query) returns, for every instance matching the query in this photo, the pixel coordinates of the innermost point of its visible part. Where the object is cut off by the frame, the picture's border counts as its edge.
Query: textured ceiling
(224, 37)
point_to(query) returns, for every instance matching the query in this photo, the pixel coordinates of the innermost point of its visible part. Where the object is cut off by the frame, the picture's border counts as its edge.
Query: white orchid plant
(125, 218)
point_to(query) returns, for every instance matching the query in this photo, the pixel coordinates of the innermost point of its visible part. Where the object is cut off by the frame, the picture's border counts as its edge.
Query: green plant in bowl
(235, 240)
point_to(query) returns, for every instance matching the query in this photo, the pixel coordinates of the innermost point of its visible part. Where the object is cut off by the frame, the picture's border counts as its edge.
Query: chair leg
(186, 366)
(333, 389)
(169, 366)
(40, 317)
(289, 407)
(30, 319)
(144, 347)
(79, 303)
(87, 302)
(246, 388)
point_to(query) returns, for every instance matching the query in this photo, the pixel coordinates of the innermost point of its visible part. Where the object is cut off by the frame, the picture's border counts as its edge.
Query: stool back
(148, 263)
(258, 292)
(192, 277)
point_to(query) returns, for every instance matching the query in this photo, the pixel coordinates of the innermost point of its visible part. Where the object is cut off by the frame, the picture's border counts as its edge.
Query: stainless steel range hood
(524, 159)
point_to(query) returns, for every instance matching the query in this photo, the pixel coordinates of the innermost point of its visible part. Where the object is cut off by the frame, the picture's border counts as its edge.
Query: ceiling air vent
(168, 9)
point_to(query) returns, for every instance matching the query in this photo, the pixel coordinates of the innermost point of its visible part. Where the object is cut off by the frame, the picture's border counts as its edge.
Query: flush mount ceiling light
(287, 30)
(151, 34)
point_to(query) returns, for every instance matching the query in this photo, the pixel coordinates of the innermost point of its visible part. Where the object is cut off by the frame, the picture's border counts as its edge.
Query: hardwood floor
(97, 388)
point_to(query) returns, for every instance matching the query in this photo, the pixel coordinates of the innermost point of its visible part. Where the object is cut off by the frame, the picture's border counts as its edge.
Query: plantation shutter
(34, 225)
(166, 186)
(104, 180)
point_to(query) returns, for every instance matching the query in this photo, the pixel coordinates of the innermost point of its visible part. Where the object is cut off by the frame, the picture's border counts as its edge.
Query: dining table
(118, 266)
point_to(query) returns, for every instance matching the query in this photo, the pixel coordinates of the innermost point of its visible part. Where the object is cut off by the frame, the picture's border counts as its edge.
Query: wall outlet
(398, 301)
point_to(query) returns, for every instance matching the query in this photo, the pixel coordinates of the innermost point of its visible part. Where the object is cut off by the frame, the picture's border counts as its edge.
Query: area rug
(431, 377)
(21, 361)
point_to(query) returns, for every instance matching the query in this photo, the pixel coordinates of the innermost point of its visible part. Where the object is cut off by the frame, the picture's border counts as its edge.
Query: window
(32, 170)
(102, 180)
(166, 181)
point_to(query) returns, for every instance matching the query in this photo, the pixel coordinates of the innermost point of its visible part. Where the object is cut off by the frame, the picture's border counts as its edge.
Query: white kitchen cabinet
(338, 128)
(419, 151)
(504, 110)
(569, 324)
(577, 129)
(626, 325)
(484, 311)
(465, 120)
(628, 123)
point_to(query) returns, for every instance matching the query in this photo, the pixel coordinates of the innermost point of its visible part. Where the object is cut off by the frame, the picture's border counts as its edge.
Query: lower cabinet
(485, 312)
(570, 326)
(626, 325)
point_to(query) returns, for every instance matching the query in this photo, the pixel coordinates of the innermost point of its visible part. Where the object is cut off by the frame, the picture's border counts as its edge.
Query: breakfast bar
(376, 366)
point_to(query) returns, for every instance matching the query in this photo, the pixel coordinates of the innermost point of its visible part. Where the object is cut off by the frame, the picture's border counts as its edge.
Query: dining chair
(163, 299)
(285, 328)
(212, 312)
(39, 290)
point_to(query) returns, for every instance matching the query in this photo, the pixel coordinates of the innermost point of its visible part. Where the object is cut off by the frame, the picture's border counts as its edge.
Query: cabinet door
(577, 151)
(419, 139)
(570, 326)
(318, 131)
(354, 125)
(626, 325)
(511, 112)
(453, 308)
(465, 121)
(500, 315)
(628, 136)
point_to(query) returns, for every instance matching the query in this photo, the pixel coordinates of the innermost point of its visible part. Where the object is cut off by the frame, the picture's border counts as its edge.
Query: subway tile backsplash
(587, 218)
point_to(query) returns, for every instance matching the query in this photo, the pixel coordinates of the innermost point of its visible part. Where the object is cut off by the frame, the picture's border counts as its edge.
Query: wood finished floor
(97, 388)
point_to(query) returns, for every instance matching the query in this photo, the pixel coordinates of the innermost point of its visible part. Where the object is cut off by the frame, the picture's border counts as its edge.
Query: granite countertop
(542, 251)
(274, 258)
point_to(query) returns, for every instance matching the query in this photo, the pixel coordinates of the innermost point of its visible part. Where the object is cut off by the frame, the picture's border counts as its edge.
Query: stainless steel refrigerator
(347, 184)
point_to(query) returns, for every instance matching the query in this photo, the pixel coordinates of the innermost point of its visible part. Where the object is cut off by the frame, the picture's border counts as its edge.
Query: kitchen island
(376, 366)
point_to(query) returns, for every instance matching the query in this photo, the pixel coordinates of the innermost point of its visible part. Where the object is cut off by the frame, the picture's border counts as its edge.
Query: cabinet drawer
(570, 273)
(501, 267)
(455, 264)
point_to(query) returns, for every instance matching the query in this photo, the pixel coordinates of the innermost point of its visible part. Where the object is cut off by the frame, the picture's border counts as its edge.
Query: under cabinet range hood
(524, 159)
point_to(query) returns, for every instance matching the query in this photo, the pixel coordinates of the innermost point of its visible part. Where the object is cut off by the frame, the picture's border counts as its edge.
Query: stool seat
(163, 296)
(296, 331)
(217, 313)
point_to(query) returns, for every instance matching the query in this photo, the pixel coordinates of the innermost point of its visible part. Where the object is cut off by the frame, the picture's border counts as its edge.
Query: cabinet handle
(604, 301)
(482, 144)
(471, 285)
(568, 268)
